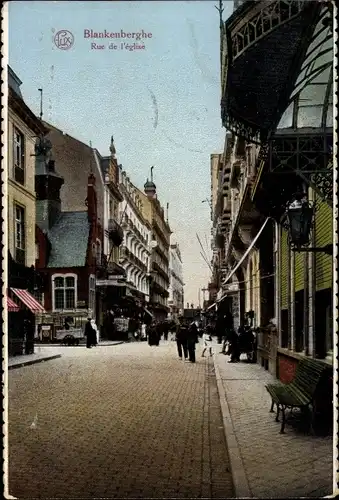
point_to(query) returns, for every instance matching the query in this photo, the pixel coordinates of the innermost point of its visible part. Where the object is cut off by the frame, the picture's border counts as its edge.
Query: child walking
(207, 340)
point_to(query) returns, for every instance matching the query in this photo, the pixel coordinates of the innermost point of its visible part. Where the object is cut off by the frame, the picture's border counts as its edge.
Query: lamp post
(299, 218)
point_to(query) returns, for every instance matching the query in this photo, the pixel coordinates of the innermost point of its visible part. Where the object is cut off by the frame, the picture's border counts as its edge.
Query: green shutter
(299, 271)
(323, 236)
(284, 269)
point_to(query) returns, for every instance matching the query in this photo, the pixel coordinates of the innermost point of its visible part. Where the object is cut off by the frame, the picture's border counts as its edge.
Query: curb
(240, 482)
(81, 345)
(34, 361)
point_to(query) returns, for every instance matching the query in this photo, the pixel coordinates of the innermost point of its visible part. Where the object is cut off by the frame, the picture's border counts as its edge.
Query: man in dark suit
(192, 339)
(181, 338)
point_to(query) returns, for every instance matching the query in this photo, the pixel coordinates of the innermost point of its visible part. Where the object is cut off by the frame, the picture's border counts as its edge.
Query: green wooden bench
(298, 393)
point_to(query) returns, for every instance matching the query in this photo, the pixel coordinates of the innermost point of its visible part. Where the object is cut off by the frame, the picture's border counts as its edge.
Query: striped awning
(29, 301)
(11, 306)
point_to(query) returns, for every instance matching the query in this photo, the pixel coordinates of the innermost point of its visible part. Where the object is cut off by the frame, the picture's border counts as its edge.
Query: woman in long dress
(95, 328)
(153, 335)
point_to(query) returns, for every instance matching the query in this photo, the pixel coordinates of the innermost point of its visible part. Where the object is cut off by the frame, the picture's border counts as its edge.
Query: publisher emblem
(64, 39)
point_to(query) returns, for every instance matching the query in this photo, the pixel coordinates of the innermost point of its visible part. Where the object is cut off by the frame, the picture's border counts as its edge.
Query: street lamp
(299, 217)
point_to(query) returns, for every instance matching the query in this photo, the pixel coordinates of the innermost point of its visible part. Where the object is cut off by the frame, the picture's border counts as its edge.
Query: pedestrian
(90, 334)
(228, 328)
(207, 342)
(153, 334)
(181, 339)
(165, 330)
(143, 332)
(96, 332)
(233, 338)
(192, 339)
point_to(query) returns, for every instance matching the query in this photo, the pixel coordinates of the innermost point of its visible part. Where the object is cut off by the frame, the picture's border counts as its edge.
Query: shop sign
(81, 303)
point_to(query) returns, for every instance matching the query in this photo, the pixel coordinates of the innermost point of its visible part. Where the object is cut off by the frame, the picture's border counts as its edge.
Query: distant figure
(228, 328)
(143, 332)
(153, 334)
(96, 331)
(192, 339)
(165, 329)
(207, 341)
(90, 334)
(233, 338)
(181, 339)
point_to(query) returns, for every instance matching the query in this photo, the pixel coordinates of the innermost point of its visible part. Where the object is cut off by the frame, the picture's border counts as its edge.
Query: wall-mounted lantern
(299, 219)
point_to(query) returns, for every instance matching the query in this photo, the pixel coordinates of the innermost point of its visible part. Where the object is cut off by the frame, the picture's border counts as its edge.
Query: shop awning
(245, 254)
(29, 301)
(11, 306)
(148, 312)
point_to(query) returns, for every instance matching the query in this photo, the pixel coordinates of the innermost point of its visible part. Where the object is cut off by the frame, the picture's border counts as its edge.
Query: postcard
(170, 249)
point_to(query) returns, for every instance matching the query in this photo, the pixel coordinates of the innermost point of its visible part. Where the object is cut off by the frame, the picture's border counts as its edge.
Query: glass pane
(59, 299)
(286, 119)
(70, 298)
(58, 282)
(70, 282)
(330, 97)
(323, 76)
(329, 117)
(320, 34)
(317, 60)
(313, 94)
(309, 116)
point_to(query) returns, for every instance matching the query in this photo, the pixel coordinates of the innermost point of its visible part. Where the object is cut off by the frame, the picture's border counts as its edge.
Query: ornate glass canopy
(311, 101)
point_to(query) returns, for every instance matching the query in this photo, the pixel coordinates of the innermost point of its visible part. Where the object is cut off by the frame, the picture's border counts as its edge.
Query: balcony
(115, 232)
(158, 269)
(255, 78)
(126, 254)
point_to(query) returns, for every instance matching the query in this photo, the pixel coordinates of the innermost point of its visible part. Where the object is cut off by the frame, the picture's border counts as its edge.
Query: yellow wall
(299, 271)
(323, 236)
(22, 195)
(284, 269)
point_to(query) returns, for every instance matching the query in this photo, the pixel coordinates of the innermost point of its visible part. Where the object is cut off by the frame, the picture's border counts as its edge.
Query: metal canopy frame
(309, 157)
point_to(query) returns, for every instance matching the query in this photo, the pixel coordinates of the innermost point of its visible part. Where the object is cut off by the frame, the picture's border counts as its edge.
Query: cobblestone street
(125, 421)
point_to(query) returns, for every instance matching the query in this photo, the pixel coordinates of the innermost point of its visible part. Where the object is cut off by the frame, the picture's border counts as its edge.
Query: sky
(161, 103)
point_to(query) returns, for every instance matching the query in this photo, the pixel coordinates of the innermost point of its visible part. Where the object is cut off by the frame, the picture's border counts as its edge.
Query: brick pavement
(276, 465)
(129, 421)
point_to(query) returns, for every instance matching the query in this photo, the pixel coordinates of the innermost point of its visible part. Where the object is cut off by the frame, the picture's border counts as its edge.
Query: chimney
(91, 200)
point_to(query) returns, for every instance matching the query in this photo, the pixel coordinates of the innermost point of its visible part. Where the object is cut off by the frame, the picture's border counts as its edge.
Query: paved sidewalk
(102, 343)
(40, 355)
(265, 463)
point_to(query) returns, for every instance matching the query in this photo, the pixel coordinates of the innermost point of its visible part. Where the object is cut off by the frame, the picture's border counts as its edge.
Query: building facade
(282, 129)
(66, 246)
(23, 128)
(154, 213)
(23, 282)
(176, 288)
(135, 251)
(76, 161)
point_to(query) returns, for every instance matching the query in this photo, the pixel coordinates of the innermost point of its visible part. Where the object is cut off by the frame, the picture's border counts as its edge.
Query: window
(19, 156)
(98, 252)
(19, 235)
(64, 292)
(91, 296)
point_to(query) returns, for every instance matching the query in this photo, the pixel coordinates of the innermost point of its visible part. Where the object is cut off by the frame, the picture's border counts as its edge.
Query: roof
(14, 82)
(69, 240)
